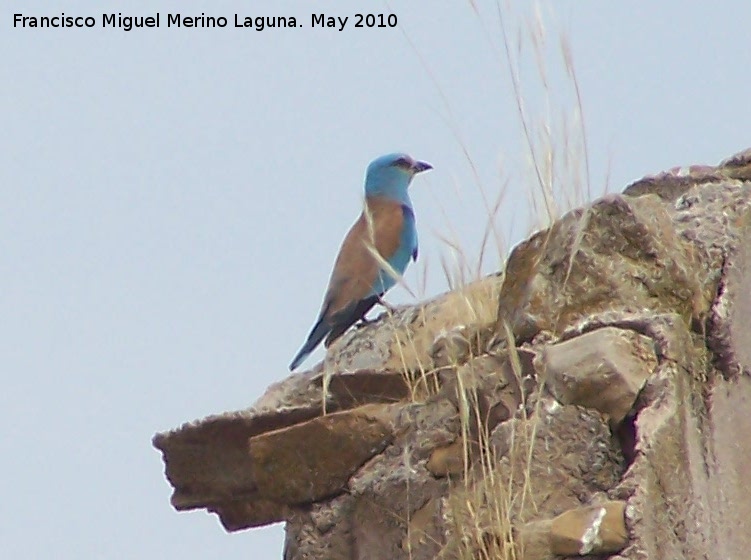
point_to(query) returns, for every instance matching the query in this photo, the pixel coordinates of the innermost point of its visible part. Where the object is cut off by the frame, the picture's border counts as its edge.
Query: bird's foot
(390, 310)
(388, 307)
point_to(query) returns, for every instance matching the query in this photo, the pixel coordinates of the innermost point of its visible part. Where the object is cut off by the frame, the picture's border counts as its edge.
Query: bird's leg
(390, 309)
(387, 306)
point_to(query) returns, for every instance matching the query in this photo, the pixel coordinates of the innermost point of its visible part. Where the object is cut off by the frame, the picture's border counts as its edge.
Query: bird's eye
(401, 162)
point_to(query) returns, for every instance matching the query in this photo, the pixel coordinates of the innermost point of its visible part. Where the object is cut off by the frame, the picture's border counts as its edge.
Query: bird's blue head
(390, 175)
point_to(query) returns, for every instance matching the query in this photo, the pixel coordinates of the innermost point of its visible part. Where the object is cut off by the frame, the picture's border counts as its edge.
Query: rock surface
(594, 399)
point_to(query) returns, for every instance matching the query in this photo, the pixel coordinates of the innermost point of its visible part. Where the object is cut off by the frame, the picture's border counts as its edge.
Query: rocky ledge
(593, 399)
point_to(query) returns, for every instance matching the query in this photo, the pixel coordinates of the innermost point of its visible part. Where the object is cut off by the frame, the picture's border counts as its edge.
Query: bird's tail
(317, 334)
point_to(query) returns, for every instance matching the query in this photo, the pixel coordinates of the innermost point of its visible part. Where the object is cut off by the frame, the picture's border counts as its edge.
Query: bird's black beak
(420, 166)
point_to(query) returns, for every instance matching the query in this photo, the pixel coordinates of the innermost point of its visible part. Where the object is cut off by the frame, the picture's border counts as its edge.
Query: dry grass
(484, 505)
(559, 171)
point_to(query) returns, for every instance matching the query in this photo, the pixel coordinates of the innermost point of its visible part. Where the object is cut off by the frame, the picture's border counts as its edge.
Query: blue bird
(386, 225)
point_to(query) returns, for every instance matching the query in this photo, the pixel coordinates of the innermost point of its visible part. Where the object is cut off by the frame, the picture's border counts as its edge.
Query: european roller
(359, 278)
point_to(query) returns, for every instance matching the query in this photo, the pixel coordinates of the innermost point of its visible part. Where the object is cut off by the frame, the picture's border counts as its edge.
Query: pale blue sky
(173, 199)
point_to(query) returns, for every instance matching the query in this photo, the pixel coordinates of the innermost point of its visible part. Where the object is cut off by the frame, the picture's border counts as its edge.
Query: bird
(359, 279)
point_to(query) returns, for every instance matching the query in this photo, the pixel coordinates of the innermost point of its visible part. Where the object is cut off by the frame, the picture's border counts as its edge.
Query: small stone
(590, 530)
(604, 369)
(448, 460)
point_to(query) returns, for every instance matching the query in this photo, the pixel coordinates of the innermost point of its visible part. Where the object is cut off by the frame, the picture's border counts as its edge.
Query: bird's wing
(351, 294)
(356, 269)
(410, 216)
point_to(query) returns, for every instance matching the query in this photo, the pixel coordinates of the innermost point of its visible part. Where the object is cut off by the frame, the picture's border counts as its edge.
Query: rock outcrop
(592, 400)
